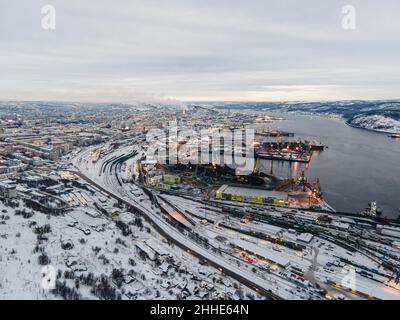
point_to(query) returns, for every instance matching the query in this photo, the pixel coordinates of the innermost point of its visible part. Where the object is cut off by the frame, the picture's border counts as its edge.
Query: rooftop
(252, 192)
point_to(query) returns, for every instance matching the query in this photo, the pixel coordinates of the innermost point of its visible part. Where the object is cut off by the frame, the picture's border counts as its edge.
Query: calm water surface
(358, 166)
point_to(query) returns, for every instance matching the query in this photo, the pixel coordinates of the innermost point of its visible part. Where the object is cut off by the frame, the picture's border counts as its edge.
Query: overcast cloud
(124, 50)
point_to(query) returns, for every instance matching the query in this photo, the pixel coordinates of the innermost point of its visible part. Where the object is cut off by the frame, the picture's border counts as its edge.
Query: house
(8, 189)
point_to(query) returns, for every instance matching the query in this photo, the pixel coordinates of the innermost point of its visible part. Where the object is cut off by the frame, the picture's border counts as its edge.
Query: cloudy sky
(267, 50)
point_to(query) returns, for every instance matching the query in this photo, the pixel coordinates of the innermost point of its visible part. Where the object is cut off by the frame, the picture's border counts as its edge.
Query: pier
(288, 151)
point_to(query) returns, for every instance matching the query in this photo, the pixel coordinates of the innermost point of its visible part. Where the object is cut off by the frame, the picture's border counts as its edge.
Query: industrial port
(200, 158)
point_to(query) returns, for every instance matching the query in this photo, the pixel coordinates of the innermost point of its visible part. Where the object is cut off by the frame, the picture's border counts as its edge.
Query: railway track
(182, 243)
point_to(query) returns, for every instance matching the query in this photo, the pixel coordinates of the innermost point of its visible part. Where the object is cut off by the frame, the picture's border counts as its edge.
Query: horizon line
(169, 100)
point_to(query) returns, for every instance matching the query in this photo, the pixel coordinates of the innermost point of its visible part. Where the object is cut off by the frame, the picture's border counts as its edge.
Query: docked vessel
(275, 134)
(395, 136)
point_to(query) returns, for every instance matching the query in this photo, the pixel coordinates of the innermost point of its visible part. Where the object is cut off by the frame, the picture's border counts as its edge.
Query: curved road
(112, 186)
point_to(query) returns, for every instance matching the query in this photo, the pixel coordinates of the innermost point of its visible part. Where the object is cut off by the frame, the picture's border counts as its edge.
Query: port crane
(279, 236)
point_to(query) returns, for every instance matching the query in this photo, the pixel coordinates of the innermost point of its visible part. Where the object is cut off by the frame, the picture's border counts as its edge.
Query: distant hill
(382, 115)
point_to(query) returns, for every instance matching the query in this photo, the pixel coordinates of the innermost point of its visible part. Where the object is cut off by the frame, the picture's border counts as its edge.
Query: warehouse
(252, 195)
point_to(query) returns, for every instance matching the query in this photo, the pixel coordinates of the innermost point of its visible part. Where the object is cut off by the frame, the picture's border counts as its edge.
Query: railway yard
(280, 252)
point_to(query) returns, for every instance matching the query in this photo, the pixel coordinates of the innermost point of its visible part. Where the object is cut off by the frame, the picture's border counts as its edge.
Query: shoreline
(367, 129)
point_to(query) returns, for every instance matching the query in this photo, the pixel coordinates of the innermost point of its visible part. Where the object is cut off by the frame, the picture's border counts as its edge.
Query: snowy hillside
(381, 115)
(377, 123)
(95, 257)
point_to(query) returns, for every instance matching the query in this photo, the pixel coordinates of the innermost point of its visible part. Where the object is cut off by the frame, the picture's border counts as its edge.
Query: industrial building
(252, 195)
(166, 182)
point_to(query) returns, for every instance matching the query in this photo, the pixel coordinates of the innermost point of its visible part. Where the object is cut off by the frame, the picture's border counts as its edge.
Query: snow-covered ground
(96, 259)
(125, 257)
(377, 123)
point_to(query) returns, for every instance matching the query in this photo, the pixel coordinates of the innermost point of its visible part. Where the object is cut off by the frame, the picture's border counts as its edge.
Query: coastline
(367, 129)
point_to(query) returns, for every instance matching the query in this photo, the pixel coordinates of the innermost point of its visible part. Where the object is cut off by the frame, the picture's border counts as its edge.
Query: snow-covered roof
(252, 192)
(305, 237)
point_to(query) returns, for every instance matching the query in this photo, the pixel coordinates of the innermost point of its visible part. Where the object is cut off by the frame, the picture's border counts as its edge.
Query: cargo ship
(293, 157)
(275, 134)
